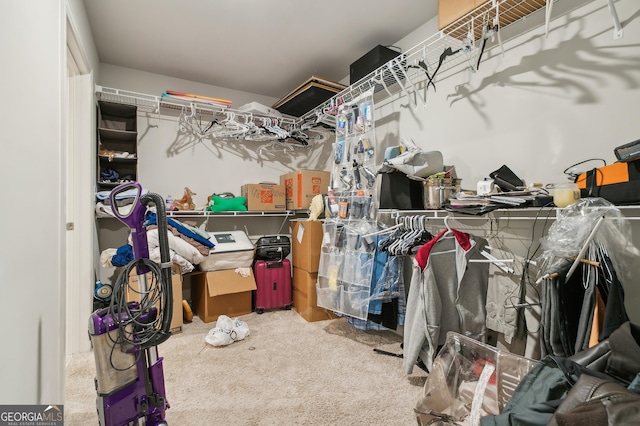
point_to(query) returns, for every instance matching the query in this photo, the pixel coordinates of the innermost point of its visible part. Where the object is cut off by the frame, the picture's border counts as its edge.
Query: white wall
(170, 160)
(548, 103)
(32, 229)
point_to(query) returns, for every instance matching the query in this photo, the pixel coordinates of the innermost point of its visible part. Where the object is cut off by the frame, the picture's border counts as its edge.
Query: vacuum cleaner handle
(134, 218)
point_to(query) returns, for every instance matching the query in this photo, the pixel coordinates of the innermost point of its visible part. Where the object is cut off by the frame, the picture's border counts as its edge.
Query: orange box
(302, 185)
(264, 196)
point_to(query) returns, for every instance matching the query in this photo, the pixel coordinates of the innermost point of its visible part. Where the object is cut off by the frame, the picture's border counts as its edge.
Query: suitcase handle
(277, 261)
(275, 264)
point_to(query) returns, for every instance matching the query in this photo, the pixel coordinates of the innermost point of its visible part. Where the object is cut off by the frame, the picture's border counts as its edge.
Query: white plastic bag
(227, 331)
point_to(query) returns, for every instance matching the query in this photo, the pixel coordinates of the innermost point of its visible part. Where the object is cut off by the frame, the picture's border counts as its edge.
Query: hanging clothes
(387, 299)
(447, 293)
(586, 261)
(513, 306)
(569, 306)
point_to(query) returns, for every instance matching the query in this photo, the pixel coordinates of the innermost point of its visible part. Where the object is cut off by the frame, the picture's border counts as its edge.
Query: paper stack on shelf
(170, 95)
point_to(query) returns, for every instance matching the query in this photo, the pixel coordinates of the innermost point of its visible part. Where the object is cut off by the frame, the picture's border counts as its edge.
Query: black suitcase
(273, 247)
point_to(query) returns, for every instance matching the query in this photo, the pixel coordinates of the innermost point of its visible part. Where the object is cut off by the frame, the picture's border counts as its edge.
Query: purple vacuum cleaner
(126, 334)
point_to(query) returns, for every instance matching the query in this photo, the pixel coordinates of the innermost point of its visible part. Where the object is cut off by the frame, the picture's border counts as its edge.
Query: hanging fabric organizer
(346, 259)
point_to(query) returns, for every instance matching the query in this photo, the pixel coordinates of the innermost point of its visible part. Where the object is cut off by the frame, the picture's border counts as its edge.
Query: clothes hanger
(379, 79)
(547, 17)
(423, 66)
(469, 44)
(500, 263)
(300, 137)
(231, 127)
(490, 31)
(446, 224)
(412, 103)
(446, 53)
(399, 60)
(584, 247)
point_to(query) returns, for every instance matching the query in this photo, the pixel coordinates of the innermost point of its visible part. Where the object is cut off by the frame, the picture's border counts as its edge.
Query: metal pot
(436, 191)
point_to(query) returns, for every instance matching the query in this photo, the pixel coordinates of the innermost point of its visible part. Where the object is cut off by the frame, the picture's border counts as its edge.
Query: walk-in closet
(339, 213)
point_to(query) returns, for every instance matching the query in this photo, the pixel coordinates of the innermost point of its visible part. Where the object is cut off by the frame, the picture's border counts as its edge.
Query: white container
(233, 249)
(258, 108)
(485, 186)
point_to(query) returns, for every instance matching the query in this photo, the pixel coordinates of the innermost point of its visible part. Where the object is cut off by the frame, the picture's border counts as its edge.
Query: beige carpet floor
(286, 372)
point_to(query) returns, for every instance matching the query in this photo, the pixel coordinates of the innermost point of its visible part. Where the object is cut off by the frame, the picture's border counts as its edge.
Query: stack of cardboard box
(306, 241)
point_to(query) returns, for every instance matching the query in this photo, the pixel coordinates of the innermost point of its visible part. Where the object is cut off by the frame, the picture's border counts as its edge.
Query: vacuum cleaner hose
(165, 260)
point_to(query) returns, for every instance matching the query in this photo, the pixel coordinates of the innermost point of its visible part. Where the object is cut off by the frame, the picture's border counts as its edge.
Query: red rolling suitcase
(273, 282)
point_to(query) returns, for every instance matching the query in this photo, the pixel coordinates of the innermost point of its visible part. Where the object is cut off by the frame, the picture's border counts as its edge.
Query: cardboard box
(451, 10)
(302, 185)
(306, 241)
(304, 297)
(221, 293)
(176, 289)
(264, 196)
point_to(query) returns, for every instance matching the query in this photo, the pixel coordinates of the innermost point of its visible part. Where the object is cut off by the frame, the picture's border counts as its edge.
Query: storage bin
(116, 116)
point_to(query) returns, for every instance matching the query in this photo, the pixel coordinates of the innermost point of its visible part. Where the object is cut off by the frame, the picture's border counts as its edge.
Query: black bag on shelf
(273, 247)
(397, 191)
(618, 183)
(506, 179)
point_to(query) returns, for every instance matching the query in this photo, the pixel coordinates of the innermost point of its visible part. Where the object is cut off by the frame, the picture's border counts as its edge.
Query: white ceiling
(266, 47)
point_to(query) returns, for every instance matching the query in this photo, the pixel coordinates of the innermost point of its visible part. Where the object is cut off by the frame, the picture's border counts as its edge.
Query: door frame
(79, 189)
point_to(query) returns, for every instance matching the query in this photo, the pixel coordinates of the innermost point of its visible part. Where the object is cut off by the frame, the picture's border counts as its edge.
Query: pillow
(224, 204)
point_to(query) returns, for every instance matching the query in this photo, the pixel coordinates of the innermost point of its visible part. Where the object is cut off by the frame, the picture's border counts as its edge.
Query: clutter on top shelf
(170, 94)
(411, 160)
(374, 59)
(304, 98)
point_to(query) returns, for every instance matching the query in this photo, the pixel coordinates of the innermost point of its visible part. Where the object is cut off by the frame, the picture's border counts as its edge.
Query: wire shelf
(430, 50)
(153, 104)
(401, 70)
